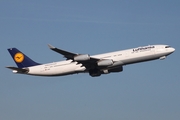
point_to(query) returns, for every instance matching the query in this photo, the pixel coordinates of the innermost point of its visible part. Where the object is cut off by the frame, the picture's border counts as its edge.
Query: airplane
(95, 65)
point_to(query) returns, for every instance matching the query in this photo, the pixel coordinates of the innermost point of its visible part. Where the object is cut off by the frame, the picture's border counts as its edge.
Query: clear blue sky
(145, 91)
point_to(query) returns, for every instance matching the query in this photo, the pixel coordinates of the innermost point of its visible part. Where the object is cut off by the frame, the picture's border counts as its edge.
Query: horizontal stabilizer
(19, 70)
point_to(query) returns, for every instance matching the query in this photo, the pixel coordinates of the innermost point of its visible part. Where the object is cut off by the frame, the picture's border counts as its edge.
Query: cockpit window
(168, 47)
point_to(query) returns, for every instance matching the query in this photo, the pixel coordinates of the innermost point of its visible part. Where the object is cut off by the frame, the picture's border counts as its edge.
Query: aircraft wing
(66, 54)
(87, 61)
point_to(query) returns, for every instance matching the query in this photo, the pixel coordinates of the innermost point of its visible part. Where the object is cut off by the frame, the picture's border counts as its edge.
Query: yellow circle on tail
(18, 57)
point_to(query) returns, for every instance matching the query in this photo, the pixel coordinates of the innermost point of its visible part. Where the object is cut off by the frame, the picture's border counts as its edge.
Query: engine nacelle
(84, 57)
(105, 63)
(118, 69)
(94, 72)
(117, 63)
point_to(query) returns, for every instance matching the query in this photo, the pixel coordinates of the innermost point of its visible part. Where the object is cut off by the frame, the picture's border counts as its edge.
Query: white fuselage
(123, 57)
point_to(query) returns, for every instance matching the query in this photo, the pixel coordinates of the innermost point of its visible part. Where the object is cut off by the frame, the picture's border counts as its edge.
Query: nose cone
(172, 50)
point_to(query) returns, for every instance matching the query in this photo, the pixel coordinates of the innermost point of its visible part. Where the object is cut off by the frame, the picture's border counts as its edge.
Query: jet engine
(84, 57)
(94, 72)
(117, 69)
(104, 63)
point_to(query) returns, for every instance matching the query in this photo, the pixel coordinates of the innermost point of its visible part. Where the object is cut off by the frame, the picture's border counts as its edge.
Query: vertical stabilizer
(21, 59)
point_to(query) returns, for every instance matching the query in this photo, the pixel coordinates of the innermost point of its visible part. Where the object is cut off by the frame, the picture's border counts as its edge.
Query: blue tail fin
(21, 59)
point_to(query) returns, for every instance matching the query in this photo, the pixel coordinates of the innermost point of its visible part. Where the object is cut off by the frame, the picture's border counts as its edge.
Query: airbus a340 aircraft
(83, 63)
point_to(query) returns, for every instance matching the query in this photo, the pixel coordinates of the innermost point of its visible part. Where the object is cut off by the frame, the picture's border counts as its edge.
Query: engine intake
(84, 57)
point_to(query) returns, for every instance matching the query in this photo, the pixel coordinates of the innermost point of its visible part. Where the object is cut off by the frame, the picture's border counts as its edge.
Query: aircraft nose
(172, 50)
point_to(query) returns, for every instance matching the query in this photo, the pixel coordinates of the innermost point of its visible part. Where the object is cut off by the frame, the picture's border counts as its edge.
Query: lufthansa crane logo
(19, 57)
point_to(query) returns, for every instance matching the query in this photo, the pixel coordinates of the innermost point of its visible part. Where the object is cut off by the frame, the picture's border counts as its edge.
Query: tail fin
(21, 59)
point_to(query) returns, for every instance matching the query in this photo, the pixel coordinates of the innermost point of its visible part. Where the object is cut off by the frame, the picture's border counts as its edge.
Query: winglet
(50, 46)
